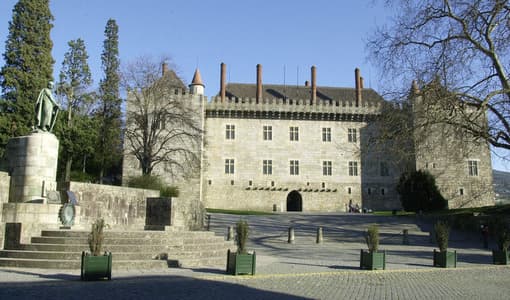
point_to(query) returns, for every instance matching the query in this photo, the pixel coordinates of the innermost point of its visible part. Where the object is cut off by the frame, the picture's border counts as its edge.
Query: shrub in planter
(95, 265)
(241, 262)
(443, 258)
(372, 259)
(500, 256)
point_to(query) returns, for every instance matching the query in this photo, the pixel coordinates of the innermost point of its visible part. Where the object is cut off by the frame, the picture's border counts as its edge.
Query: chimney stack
(222, 81)
(416, 88)
(359, 86)
(314, 86)
(164, 68)
(259, 83)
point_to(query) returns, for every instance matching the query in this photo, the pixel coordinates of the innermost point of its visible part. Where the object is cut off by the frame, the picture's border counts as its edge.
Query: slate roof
(273, 91)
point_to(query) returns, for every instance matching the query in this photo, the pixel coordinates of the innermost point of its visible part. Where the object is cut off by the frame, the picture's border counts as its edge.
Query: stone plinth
(34, 217)
(32, 166)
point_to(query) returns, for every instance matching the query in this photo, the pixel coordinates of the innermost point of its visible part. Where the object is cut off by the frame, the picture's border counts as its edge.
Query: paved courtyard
(303, 270)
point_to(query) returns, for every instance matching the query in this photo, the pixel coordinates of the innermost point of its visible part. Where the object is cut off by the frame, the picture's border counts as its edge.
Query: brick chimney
(164, 68)
(222, 81)
(314, 86)
(359, 86)
(259, 83)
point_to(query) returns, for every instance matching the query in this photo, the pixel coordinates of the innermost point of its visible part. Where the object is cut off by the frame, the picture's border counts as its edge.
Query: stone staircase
(61, 249)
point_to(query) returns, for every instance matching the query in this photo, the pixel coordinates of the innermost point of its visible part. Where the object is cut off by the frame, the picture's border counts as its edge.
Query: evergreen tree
(74, 80)
(109, 113)
(28, 66)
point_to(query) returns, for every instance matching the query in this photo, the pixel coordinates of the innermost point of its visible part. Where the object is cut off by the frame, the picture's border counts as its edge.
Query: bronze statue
(46, 109)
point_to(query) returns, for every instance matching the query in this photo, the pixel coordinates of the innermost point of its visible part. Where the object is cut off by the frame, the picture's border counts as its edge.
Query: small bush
(372, 238)
(242, 229)
(153, 183)
(169, 191)
(96, 237)
(418, 192)
(442, 230)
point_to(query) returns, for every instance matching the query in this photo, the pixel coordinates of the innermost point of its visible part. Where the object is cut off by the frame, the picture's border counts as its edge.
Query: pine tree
(109, 152)
(74, 80)
(28, 66)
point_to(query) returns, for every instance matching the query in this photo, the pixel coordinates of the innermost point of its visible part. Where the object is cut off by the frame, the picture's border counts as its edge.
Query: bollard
(319, 236)
(230, 235)
(291, 235)
(405, 237)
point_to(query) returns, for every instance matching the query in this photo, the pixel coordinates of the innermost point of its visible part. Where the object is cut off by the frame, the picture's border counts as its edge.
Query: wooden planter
(500, 257)
(238, 264)
(372, 260)
(445, 259)
(96, 267)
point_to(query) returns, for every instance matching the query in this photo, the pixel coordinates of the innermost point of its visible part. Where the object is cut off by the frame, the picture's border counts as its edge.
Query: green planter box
(238, 264)
(372, 260)
(96, 267)
(500, 257)
(445, 259)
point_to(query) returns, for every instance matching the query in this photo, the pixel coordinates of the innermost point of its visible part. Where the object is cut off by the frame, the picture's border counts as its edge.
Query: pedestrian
(485, 236)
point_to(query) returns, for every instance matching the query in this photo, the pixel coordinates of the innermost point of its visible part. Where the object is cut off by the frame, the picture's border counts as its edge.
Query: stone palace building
(313, 148)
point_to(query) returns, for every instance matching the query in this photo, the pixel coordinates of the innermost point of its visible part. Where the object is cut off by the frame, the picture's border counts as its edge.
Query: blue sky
(279, 34)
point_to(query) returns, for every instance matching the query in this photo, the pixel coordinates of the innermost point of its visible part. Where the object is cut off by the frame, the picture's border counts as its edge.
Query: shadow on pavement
(146, 287)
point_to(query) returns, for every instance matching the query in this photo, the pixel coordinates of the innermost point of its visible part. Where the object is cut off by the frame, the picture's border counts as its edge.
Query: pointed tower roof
(197, 79)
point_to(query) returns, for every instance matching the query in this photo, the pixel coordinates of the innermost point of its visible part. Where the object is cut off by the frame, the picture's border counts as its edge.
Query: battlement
(292, 105)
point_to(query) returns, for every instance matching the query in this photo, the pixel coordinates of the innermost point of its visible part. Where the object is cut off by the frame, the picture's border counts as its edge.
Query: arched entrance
(294, 201)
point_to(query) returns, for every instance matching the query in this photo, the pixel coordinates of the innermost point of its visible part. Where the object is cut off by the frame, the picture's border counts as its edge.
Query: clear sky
(290, 35)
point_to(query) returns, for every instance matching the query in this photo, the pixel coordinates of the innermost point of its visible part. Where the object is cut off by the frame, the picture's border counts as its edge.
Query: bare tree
(464, 45)
(162, 129)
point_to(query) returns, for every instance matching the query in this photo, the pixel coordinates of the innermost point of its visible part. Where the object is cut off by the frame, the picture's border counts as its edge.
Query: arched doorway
(294, 201)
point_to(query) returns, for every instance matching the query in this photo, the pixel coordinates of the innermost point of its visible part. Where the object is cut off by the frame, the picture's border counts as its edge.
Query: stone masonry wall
(121, 207)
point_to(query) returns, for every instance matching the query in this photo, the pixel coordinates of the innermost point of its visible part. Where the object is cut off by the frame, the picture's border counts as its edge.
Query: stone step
(70, 255)
(76, 264)
(112, 248)
(215, 262)
(109, 242)
(129, 234)
(197, 254)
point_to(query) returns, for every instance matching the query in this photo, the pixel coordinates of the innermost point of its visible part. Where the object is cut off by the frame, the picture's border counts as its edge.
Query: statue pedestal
(32, 166)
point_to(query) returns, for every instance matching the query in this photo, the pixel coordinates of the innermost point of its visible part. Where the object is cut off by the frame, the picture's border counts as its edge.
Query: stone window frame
(230, 131)
(229, 166)
(326, 134)
(353, 168)
(352, 136)
(327, 168)
(294, 133)
(267, 167)
(473, 167)
(267, 132)
(294, 167)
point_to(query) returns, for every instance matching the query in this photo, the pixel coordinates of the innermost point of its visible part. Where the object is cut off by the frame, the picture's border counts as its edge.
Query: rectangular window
(383, 191)
(229, 166)
(294, 167)
(473, 167)
(268, 133)
(326, 134)
(384, 171)
(267, 167)
(230, 132)
(351, 135)
(353, 168)
(369, 191)
(294, 133)
(326, 168)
